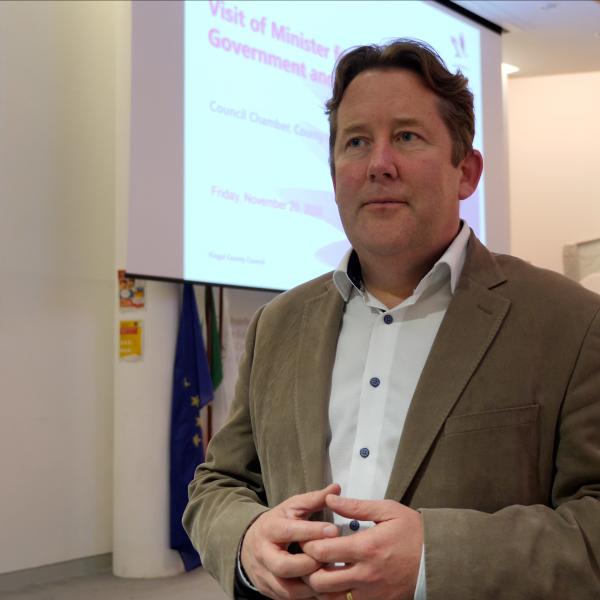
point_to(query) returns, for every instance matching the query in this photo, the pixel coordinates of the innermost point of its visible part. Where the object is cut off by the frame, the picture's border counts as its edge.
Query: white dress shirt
(380, 355)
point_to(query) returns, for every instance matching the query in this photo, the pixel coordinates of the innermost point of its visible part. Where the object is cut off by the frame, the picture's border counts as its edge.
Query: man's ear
(471, 167)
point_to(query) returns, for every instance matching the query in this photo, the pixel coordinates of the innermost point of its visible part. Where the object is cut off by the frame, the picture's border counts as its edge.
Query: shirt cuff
(421, 589)
(243, 578)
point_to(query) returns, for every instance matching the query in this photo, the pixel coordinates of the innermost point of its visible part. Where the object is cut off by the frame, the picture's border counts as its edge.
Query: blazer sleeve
(227, 492)
(537, 551)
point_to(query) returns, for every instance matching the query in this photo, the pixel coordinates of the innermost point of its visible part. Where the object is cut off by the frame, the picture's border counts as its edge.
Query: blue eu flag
(192, 389)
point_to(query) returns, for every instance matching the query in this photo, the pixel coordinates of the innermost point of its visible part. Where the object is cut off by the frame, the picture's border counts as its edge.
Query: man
(454, 394)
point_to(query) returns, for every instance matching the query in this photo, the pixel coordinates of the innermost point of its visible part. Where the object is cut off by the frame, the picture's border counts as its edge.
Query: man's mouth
(383, 201)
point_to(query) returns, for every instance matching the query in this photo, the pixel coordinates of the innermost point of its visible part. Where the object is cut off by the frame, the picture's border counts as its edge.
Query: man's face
(395, 186)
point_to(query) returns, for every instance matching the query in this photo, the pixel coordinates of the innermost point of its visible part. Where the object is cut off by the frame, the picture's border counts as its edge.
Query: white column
(142, 390)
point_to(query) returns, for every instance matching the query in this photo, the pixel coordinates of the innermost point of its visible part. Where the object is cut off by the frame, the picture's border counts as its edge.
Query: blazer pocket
(493, 419)
(484, 461)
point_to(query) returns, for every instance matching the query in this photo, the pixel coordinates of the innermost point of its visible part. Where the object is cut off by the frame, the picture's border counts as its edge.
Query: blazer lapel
(472, 321)
(319, 331)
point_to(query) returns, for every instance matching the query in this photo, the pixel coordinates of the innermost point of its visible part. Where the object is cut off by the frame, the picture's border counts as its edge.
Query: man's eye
(407, 136)
(355, 142)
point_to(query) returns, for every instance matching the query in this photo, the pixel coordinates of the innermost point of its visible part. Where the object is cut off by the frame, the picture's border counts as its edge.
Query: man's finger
(334, 579)
(347, 549)
(364, 510)
(285, 565)
(290, 588)
(286, 531)
(301, 505)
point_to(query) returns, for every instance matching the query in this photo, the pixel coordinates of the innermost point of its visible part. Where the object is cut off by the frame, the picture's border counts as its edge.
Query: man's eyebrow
(409, 122)
(359, 126)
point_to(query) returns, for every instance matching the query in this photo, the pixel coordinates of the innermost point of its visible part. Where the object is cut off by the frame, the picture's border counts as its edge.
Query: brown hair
(455, 98)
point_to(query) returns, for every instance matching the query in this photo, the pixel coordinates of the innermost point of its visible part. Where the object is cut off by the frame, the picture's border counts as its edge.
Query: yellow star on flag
(196, 439)
(199, 421)
(196, 401)
(186, 383)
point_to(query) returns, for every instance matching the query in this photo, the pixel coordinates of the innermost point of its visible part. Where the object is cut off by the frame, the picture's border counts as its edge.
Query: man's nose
(382, 164)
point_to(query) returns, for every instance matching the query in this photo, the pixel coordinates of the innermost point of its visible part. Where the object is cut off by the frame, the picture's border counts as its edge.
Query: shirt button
(354, 525)
(388, 319)
(364, 452)
(374, 381)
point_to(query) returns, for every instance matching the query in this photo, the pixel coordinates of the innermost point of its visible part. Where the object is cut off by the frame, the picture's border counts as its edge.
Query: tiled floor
(196, 585)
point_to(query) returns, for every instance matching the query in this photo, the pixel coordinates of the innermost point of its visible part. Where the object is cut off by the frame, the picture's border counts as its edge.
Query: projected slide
(259, 209)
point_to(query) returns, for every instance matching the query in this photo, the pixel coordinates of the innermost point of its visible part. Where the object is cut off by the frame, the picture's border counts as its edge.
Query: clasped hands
(381, 563)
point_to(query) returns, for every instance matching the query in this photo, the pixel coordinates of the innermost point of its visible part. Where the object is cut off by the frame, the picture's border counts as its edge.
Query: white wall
(57, 137)
(554, 164)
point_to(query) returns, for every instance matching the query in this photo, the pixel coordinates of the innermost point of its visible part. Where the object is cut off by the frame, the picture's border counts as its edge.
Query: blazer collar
(480, 265)
(470, 325)
(317, 343)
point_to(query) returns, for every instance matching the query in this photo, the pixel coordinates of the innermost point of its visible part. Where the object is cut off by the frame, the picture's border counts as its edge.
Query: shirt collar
(348, 276)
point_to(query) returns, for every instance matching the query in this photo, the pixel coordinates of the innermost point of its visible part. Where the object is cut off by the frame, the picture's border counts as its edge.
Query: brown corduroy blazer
(500, 449)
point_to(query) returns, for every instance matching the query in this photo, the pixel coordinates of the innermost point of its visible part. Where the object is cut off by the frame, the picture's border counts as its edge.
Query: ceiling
(545, 38)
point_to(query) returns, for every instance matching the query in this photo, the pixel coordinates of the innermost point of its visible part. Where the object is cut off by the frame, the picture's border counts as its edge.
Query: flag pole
(208, 321)
(221, 315)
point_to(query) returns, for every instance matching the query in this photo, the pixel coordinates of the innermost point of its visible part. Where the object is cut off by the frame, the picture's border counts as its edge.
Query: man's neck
(392, 278)
(389, 282)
